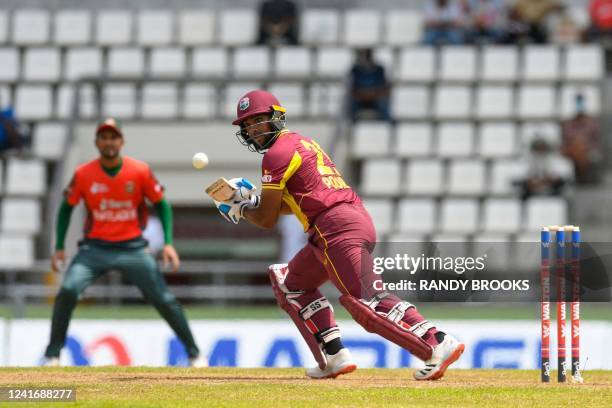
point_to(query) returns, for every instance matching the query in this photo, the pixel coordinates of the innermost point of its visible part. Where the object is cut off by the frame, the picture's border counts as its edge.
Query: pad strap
(314, 307)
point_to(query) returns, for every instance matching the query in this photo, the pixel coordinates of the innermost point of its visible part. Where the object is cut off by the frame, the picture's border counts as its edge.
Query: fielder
(299, 178)
(114, 188)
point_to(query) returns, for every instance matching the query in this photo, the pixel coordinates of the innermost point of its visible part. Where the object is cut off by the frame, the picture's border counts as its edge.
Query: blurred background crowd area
(456, 120)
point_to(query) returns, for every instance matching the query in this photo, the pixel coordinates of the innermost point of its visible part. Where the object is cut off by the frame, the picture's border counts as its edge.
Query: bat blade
(220, 190)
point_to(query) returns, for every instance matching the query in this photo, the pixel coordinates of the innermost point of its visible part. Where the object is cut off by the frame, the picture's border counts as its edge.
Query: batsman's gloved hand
(232, 210)
(244, 188)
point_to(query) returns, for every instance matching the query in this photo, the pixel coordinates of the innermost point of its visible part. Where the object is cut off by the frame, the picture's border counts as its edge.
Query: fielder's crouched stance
(298, 177)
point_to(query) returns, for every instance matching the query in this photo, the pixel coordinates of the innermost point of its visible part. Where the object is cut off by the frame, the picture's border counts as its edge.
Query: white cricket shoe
(337, 364)
(444, 354)
(51, 362)
(198, 362)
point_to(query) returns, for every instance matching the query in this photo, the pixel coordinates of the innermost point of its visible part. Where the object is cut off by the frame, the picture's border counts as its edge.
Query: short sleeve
(152, 189)
(73, 193)
(278, 166)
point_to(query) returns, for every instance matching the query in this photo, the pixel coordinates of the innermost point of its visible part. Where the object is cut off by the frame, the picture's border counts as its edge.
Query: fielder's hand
(58, 260)
(170, 256)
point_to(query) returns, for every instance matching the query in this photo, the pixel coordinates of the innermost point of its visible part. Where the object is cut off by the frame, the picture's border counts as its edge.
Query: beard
(109, 154)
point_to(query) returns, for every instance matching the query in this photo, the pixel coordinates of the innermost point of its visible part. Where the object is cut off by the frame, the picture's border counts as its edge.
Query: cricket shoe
(337, 364)
(443, 355)
(198, 362)
(51, 362)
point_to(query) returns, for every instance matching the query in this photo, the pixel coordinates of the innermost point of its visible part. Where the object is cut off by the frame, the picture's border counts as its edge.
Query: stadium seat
(237, 26)
(88, 103)
(453, 102)
(592, 99)
(381, 177)
(497, 139)
(424, 177)
(209, 62)
(5, 96)
(541, 63)
(457, 64)
(381, 212)
(82, 62)
(31, 27)
(537, 102)
(16, 251)
(72, 27)
(10, 67)
(114, 27)
(403, 27)
(584, 63)
(251, 62)
(291, 97)
(455, 139)
(371, 139)
(417, 215)
(362, 28)
(168, 62)
(504, 173)
(326, 100)
(502, 215)
(459, 215)
(18, 170)
(385, 56)
(293, 62)
(333, 62)
(494, 102)
(33, 102)
(155, 27)
(119, 100)
(42, 64)
(499, 63)
(466, 177)
(319, 26)
(49, 139)
(196, 27)
(549, 131)
(4, 25)
(232, 93)
(199, 101)
(159, 100)
(544, 211)
(125, 62)
(20, 215)
(410, 102)
(64, 100)
(413, 139)
(417, 64)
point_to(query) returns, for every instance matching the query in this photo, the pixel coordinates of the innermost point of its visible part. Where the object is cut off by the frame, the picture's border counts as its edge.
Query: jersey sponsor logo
(129, 187)
(128, 214)
(97, 188)
(244, 104)
(266, 178)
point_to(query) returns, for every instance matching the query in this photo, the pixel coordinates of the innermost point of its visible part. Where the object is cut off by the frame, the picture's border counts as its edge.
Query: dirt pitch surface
(234, 387)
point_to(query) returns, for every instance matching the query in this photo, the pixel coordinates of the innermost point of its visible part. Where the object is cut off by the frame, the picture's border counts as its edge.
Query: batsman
(114, 189)
(299, 178)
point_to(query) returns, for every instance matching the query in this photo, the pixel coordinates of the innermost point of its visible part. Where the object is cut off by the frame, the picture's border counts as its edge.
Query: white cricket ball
(200, 160)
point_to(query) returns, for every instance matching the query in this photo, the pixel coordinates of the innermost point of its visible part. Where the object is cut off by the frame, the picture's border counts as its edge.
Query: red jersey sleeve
(152, 189)
(278, 165)
(73, 192)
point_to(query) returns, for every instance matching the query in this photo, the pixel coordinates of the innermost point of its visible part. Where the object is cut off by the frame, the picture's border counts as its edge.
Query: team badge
(244, 104)
(129, 187)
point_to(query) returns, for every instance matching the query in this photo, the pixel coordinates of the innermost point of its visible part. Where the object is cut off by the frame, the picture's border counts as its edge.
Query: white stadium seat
(155, 27)
(453, 101)
(417, 64)
(31, 27)
(362, 28)
(502, 215)
(88, 103)
(499, 63)
(466, 177)
(199, 101)
(410, 102)
(72, 27)
(504, 173)
(371, 139)
(159, 100)
(455, 139)
(5, 96)
(497, 139)
(20, 215)
(196, 27)
(16, 251)
(381, 177)
(209, 62)
(584, 63)
(1, 176)
(326, 99)
(49, 139)
(494, 102)
(385, 56)
(82, 62)
(417, 215)
(382, 214)
(458, 215)
(10, 67)
(18, 170)
(545, 211)
(403, 27)
(42, 64)
(458, 64)
(319, 26)
(537, 102)
(237, 26)
(413, 139)
(4, 25)
(33, 102)
(119, 100)
(424, 177)
(293, 62)
(124, 62)
(250, 62)
(168, 62)
(549, 131)
(114, 27)
(291, 97)
(592, 99)
(64, 101)
(541, 63)
(333, 62)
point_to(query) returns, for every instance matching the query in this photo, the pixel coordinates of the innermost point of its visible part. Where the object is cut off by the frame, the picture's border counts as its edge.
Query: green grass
(437, 311)
(261, 388)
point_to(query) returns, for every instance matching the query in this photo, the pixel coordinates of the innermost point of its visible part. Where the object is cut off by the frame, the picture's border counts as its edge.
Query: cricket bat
(220, 190)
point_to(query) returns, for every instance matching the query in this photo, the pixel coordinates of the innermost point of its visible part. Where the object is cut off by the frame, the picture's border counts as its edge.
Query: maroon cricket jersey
(310, 181)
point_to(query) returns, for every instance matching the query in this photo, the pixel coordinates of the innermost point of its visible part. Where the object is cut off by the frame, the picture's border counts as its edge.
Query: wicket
(563, 270)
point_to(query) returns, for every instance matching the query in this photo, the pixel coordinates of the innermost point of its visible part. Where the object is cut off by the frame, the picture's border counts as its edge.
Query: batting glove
(233, 210)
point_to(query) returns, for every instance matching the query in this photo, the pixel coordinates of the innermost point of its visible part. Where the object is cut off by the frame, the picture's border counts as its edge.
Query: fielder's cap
(109, 124)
